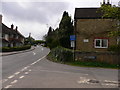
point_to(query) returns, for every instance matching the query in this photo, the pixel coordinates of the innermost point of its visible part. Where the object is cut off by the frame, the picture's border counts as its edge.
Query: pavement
(32, 70)
(16, 52)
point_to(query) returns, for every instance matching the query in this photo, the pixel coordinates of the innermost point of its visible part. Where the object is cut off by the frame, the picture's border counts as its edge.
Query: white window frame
(100, 43)
(6, 36)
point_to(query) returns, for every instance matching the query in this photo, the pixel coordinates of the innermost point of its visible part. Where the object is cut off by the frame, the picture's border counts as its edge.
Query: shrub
(61, 54)
(114, 48)
(10, 49)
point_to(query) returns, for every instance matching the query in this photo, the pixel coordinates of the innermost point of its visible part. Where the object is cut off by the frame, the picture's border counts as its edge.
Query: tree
(50, 31)
(60, 36)
(65, 30)
(114, 13)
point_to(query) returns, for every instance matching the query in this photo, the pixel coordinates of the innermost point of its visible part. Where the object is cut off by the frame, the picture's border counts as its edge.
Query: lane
(47, 74)
(42, 73)
(14, 63)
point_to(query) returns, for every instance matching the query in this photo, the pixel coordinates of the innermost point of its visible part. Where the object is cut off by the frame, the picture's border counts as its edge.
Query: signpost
(72, 39)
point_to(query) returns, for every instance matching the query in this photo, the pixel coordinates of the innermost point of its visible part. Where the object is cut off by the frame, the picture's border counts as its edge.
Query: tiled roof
(8, 30)
(82, 13)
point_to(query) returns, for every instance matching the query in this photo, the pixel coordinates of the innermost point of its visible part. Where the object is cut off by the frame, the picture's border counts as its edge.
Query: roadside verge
(11, 53)
(64, 56)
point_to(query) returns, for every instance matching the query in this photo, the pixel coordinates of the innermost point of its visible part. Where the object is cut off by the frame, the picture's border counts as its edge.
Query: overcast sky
(35, 16)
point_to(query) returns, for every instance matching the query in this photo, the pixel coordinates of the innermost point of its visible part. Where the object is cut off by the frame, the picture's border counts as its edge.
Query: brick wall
(108, 57)
(90, 29)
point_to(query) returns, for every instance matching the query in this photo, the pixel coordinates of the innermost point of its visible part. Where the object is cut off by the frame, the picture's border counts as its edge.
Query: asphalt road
(33, 70)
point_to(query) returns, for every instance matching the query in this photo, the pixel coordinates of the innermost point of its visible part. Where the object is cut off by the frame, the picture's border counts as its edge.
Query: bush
(114, 48)
(10, 49)
(61, 54)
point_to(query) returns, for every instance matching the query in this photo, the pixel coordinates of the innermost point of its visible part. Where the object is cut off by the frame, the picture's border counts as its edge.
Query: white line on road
(8, 86)
(25, 68)
(26, 72)
(15, 81)
(38, 60)
(111, 81)
(11, 76)
(17, 73)
(110, 84)
(21, 77)
(4, 80)
(30, 70)
(42, 49)
(34, 53)
(33, 63)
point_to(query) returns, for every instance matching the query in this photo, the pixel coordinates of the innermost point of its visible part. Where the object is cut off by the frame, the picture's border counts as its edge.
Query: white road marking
(15, 81)
(34, 53)
(24, 68)
(8, 86)
(56, 71)
(30, 70)
(38, 60)
(110, 84)
(4, 80)
(111, 81)
(11, 76)
(26, 72)
(21, 77)
(33, 63)
(17, 73)
(83, 80)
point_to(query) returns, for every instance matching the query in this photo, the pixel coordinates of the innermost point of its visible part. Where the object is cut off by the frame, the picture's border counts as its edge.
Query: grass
(92, 64)
(85, 63)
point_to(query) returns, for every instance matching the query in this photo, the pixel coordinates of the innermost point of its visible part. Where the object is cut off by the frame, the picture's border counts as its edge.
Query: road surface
(33, 70)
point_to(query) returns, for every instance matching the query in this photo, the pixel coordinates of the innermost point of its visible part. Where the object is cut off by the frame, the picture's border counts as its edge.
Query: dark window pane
(98, 43)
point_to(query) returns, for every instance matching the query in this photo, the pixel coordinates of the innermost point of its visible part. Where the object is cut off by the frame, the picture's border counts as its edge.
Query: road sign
(72, 43)
(72, 37)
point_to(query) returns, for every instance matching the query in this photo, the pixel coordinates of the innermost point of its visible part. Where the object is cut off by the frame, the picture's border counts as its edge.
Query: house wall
(0, 19)
(0, 30)
(4, 44)
(91, 29)
(106, 57)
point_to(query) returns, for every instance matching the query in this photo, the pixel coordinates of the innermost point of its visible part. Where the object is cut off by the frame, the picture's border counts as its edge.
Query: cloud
(41, 12)
(33, 17)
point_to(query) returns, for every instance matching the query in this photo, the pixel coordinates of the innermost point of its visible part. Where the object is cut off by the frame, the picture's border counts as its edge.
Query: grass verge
(84, 63)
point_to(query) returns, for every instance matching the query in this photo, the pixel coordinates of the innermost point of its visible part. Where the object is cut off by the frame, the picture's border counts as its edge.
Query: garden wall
(108, 57)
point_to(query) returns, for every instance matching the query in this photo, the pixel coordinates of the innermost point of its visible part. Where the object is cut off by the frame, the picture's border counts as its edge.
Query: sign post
(72, 39)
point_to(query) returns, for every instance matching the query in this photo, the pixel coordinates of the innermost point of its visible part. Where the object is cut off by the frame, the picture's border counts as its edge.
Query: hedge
(10, 49)
(61, 54)
(114, 48)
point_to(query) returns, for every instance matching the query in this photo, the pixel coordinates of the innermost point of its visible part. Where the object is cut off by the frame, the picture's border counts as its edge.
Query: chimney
(103, 2)
(108, 2)
(12, 26)
(0, 19)
(16, 28)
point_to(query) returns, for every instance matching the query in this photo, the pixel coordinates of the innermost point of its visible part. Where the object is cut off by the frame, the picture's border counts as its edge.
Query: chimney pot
(103, 1)
(0, 18)
(16, 28)
(12, 26)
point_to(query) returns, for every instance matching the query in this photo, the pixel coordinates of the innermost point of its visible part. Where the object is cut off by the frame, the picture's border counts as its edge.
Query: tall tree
(50, 31)
(114, 13)
(60, 36)
(65, 30)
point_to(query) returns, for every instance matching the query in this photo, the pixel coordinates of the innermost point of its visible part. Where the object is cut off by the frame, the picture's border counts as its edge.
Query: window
(101, 43)
(6, 36)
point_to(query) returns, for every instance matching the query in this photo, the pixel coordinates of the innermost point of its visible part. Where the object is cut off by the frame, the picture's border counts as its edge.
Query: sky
(36, 16)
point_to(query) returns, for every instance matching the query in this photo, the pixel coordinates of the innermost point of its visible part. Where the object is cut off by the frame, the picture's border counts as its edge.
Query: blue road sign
(72, 37)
